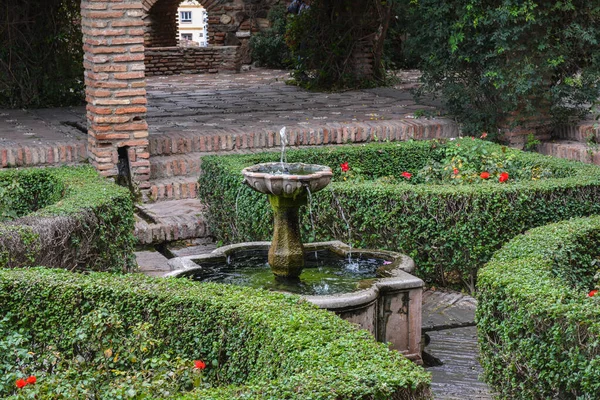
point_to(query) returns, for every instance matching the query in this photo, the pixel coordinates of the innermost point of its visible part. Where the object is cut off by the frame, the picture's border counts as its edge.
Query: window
(200, 34)
(186, 36)
(185, 16)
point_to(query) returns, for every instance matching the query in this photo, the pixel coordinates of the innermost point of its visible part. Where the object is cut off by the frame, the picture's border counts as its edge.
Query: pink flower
(345, 167)
(406, 175)
(199, 364)
(484, 175)
(593, 293)
(455, 171)
(483, 135)
(503, 177)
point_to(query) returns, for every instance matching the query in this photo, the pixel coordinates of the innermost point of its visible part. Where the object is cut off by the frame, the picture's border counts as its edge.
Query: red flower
(345, 167)
(503, 177)
(21, 383)
(593, 293)
(406, 175)
(455, 171)
(483, 135)
(199, 364)
(484, 175)
(31, 380)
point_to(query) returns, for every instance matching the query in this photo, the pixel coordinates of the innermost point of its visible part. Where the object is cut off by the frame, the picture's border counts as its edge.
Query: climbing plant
(503, 61)
(41, 56)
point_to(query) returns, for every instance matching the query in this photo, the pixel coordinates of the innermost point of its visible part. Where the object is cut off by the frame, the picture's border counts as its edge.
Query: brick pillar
(113, 41)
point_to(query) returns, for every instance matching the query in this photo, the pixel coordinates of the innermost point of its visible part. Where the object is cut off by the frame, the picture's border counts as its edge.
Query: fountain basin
(287, 180)
(388, 304)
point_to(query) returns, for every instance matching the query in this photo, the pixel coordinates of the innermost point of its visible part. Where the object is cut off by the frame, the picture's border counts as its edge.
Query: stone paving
(260, 99)
(210, 103)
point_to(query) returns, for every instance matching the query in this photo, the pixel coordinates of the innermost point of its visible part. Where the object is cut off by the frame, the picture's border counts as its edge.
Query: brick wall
(191, 60)
(113, 41)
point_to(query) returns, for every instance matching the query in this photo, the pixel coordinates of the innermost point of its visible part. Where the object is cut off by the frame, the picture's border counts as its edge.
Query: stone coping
(397, 273)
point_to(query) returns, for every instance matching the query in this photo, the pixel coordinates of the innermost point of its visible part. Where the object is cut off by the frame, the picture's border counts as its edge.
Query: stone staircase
(579, 142)
(176, 161)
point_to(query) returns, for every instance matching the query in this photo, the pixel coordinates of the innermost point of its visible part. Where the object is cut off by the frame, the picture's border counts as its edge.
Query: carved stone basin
(287, 179)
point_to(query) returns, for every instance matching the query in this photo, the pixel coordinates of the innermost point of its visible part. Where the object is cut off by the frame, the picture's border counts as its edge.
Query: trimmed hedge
(539, 332)
(117, 336)
(449, 230)
(67, 217)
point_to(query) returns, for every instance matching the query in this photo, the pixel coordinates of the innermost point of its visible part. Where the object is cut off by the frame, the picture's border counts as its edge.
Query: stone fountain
(287, 186)
(387, 303)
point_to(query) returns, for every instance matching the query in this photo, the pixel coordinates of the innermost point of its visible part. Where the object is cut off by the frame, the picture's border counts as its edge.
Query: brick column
(113, 41)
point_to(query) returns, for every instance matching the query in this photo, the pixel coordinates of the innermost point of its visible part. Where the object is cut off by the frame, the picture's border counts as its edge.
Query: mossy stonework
(286, 254)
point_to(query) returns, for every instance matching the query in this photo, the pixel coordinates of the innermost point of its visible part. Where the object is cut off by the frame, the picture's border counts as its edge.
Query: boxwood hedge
(100, 335)
(539, 331)
(67, 217)
(449, 230)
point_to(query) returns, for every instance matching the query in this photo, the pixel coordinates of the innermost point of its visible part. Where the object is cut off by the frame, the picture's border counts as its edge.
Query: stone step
(572, 150)
(170, 221)
(586, 131)
(175, 188)
(171, 143)
(177, 165)
(37, 155)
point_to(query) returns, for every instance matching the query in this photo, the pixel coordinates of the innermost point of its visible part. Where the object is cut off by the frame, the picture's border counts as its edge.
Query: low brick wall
(191, 60)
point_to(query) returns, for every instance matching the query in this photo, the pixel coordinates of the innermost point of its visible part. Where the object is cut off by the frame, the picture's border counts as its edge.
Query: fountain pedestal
(286, 254)
(287, 186)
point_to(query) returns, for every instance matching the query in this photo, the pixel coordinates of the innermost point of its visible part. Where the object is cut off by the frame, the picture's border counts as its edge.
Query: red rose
(31, 380)
(198, 364)
(503, 177)
(345, 167)
(21, 383)
(593, 293)
(455, 171)
(484, 175)
(406, 175)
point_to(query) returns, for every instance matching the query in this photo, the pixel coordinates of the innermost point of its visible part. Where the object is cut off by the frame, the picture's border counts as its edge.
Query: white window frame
(187, 36)
(183, 14)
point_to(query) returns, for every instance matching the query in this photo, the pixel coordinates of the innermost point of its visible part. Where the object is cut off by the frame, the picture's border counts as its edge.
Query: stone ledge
(169, 221)
(335, 133)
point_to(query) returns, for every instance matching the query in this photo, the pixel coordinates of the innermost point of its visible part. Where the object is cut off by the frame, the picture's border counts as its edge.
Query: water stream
(312, 220)
(284, 142)
(339, 206)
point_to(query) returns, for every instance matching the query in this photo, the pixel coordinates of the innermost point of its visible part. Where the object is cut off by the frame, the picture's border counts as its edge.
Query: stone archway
(228, 20)
(115, 36)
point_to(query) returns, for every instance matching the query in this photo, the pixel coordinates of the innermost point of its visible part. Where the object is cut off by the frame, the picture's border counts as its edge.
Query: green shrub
(496, 60)
(41, 57)
(26, 191)
(539, 332)
(268, 47)
(66, 217)
(331, 41)
(105, 336)
(449, 230)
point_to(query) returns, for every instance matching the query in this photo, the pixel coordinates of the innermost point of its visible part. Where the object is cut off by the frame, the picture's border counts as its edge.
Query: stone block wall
(191, 60)
(113, 41)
